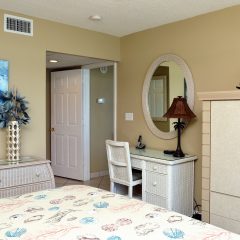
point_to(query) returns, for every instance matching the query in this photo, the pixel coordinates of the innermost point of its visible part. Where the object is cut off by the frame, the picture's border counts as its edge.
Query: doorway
(99, 87)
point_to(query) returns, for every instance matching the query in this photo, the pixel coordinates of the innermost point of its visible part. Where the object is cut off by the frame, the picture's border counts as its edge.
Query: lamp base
(178, 153)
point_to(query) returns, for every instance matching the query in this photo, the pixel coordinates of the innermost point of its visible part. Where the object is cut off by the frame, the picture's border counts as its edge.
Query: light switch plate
(129, 116)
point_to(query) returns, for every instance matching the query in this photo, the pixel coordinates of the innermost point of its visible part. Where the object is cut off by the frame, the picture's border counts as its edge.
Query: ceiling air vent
(18, 25)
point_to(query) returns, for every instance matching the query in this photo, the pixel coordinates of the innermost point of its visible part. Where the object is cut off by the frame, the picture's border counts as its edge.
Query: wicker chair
(119, 165)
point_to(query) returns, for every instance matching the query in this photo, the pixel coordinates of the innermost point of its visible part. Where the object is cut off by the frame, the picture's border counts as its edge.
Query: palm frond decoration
(13, 107)
(179, 124)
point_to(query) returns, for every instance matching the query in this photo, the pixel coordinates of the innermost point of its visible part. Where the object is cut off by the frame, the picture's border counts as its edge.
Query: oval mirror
(167, 78)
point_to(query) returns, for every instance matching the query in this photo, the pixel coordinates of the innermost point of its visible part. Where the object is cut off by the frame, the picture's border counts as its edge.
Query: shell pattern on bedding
(86, 213)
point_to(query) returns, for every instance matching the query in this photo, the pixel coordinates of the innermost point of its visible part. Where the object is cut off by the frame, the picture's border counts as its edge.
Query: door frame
(86, 109)
(86, 123)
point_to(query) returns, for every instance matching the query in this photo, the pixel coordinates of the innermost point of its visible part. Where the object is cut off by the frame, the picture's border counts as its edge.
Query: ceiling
(67, 60)
(119, 17)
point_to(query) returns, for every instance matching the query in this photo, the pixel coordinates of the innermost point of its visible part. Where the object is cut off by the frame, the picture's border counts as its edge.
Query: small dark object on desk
(169, 152)
(238, 87)
(140, 145)
(197, 216)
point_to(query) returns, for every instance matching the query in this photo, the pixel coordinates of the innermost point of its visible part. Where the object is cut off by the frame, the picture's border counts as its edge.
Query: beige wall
(210, 45)
(101, 117)
(27, 63)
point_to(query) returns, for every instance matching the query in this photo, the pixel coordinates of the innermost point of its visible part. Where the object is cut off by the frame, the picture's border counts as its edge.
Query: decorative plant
(13, 107)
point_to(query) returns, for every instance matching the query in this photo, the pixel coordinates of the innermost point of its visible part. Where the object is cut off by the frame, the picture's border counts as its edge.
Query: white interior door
(68, 143)
(157, 97)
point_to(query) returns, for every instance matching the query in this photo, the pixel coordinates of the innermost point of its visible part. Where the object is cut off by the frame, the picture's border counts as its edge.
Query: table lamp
(180, 110)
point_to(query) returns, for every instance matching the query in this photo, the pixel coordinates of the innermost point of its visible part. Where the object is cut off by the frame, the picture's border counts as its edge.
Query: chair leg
(112, 187)
(130, 191)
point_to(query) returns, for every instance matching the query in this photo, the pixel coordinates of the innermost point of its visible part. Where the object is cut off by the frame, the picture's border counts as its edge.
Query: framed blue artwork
(3, 75)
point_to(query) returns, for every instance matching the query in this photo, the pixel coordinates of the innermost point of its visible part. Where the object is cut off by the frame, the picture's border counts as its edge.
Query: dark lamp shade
(179, 109)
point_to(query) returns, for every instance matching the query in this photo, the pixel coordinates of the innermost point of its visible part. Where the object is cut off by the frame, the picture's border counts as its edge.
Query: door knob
(154, 184)
(52, 130)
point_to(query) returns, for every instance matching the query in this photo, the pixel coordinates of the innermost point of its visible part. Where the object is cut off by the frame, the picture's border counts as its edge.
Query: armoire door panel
(225, 147)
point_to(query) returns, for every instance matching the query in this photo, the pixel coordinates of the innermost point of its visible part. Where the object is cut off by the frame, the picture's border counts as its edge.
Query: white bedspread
(83, 213)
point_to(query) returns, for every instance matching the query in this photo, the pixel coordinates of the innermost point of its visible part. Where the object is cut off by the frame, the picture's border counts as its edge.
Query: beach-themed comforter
(86, 213)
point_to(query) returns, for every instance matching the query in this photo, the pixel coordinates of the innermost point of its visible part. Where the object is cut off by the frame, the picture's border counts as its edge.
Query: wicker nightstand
(28, 175)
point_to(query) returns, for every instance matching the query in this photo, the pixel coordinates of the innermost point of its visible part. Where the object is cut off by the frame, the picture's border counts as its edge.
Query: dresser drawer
(19, 190)
(156, 183)
(24, 175)
(156, 200)
(156, 167)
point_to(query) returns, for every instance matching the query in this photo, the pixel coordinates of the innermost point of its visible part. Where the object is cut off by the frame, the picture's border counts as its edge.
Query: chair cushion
(136, 174)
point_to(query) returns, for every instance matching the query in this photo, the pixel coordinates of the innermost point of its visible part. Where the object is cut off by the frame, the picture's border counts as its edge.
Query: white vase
(13, 141)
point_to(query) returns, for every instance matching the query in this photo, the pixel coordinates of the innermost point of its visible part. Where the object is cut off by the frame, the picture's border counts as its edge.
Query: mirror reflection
(166, 83)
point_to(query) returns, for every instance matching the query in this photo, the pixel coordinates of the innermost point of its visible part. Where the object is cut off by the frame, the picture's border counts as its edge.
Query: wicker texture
(119, 163)
(180, 188)
(15, 191)
(154, 167)
(166, 185)
(23, 178)
(24, 175)
(156, 199)
(156, 183)
(120, 171)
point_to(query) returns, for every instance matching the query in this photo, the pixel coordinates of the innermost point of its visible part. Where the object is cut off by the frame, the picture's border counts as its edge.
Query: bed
(86, 213)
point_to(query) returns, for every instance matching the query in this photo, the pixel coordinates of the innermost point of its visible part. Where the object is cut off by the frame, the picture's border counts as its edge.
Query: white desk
(167, 181)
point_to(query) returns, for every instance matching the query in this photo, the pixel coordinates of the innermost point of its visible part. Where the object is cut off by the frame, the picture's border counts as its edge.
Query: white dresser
(28, 175)
(221, 159)
(167, 181)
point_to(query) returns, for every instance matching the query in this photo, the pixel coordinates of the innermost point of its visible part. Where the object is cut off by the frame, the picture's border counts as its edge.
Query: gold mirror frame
(190, 92)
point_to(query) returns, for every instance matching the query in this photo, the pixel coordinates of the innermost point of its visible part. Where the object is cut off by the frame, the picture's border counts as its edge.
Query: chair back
(119, 162)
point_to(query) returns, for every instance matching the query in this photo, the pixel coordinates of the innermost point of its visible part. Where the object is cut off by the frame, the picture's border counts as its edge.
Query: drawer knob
(37, 174)
(154, 184)
(155, 168)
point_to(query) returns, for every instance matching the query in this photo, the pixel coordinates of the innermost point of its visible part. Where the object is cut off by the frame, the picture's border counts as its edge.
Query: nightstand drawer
(156, 183)
(24, 175)
(156, 167)
(155, 199)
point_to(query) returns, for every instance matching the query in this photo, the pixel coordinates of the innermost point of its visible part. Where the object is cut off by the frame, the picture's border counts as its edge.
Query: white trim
(219, 95)
(190, 90)
(98, 65)
(99, 174)
(86, 123)
(115, 102)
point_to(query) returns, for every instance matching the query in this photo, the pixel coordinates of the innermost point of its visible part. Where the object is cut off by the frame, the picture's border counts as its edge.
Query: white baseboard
(99, 174)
